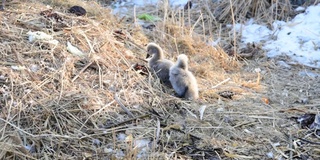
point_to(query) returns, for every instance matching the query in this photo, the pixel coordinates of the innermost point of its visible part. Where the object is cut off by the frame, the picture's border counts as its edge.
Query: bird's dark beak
(148, 55)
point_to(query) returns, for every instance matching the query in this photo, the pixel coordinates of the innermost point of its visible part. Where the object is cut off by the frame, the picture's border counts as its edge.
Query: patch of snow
(253, 32)
(300, 9)
(270, 154)
(283, 64)
(306, 73)
(149, 2)
(214, 43)
(119, 154)
(144, 146)
(121, 7)
(143, 2)
(298, 38)
(178, 2)
(121, 137)
(141, 143)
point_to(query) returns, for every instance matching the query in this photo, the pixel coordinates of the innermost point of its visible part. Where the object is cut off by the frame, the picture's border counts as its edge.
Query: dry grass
(55, 105)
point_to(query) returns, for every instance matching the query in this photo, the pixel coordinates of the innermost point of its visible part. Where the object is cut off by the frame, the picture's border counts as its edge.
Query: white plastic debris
(247, 131)
(270, 154)
(277, 144)
(43, 37)
(258, 70)
(220, 109)
(38, 35)
(18, 68)
(201, 110)
(34, 68)
(54, 42)
(108, 150)
(140, 143)
(74, 50)
(30, 148)
(220, 101)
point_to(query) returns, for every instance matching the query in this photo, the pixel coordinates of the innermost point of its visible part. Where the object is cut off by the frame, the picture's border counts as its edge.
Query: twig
(316, 143)
(179, 130)
(276, 149)
(206, 6)
(219, 84)
(126, 121)
(141, 59)
(40, 135)
(226, 80)
(88, 41)
(158, 130)
(123, 107)
(107, 105)
(8, 63)
(290, 146)
(234, 30)
(82, 70)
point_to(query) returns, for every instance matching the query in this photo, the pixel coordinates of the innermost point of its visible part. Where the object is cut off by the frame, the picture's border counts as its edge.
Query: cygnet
(182, 80)
(158, 63)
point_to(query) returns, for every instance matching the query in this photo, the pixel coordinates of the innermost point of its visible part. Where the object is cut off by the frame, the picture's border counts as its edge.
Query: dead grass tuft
(263, 10)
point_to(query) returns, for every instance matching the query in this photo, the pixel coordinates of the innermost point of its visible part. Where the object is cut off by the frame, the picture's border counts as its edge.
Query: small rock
(108, 150)
(226, 94)
(78, 10)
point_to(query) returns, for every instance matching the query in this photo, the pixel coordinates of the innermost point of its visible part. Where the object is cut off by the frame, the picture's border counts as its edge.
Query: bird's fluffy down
(158, 64)
(182, 80)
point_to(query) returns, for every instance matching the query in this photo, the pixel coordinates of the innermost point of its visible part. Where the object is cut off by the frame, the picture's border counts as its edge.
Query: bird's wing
(184, 91)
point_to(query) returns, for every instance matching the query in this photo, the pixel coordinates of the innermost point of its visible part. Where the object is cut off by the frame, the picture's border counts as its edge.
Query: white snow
(300, 8)
(298, 38)
(121, 136)
(144, 146)
(121, 7)
(153, 2)
(253, 32)
(178, 2)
